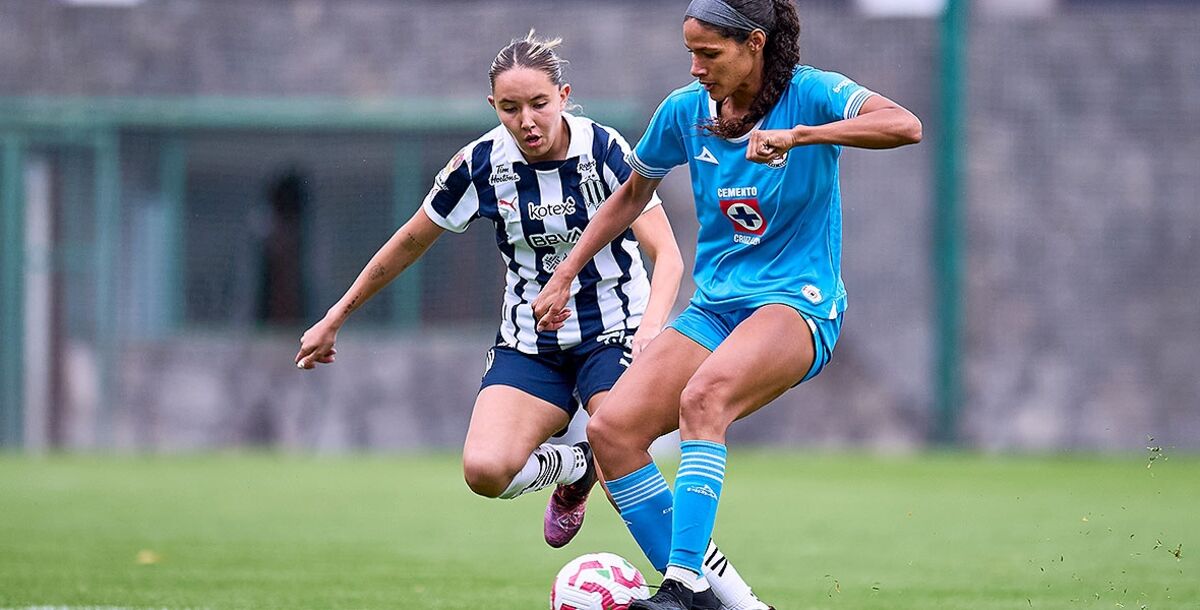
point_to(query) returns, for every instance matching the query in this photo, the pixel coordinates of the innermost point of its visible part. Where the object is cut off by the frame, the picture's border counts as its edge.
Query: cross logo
(745, 215)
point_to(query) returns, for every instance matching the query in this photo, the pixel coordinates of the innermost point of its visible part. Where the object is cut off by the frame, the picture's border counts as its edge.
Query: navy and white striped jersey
(539, 211)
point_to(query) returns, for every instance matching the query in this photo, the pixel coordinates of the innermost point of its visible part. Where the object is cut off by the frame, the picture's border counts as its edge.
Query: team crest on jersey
(778, 163)
(502, 174)
(593, 192)
(590, 185)
(746, 216)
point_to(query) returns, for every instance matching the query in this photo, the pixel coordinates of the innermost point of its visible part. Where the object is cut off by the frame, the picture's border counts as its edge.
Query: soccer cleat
(672, 595)
(564, 513)
(706, 600)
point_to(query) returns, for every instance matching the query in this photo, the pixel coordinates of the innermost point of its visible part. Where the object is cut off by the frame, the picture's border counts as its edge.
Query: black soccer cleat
(672, 595)
(706, 600)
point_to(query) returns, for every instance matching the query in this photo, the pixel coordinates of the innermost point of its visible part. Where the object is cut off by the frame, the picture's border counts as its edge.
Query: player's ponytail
(781, 55)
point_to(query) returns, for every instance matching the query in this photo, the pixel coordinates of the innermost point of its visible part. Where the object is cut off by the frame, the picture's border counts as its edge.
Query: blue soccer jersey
(769, 233)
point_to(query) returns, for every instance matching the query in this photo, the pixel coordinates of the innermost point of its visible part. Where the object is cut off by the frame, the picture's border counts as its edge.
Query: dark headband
(717, 12)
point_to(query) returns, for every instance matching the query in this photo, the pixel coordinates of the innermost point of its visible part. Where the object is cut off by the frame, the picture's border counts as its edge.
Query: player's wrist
(335, 318)
(800, 135)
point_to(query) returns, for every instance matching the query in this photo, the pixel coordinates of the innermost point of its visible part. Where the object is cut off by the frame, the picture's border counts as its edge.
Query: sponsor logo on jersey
(502, 174)
(842, 85)
(812, 293)
(737, 192)
(508, 207)
(550, 262)
(612, 337)
(538, 211)
(549, 240)
(778, 163)
(706, 156)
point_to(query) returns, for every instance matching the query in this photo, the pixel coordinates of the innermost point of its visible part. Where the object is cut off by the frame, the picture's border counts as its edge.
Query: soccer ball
(597, 581)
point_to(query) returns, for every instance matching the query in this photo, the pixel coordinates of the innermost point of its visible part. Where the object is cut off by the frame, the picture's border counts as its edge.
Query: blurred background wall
(188, 184)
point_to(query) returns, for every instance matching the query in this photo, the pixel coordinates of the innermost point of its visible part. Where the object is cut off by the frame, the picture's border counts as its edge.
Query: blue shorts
(709, 329)
(567, 378)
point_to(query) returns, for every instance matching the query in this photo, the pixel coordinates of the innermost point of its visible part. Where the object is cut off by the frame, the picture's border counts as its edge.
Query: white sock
(728, 585)
(696, 582)
(547, 465)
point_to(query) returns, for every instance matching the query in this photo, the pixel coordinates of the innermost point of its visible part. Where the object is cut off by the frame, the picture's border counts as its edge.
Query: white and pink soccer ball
(597, 581)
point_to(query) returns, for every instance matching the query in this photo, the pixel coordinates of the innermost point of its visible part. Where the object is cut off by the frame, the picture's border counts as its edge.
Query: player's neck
(738, 103)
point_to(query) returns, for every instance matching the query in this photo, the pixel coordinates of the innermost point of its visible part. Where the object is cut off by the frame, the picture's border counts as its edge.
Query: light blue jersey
(769, 233)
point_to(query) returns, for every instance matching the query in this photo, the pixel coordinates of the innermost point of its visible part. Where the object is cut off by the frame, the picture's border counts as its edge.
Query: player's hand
(550, 307)
(316, 346)
(769, 145)
(642, 338)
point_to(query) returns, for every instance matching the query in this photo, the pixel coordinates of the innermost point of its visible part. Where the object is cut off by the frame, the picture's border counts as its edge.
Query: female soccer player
(761, 135)
(539, 177)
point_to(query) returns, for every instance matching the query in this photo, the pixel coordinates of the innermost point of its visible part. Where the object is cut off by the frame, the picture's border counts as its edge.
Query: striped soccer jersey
(539, 211)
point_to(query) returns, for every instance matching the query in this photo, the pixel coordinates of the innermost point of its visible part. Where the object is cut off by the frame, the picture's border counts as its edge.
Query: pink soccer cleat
(564, 513)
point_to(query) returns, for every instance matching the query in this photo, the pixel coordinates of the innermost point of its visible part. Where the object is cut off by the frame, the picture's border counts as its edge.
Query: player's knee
(704, 405)
(610, 437)
(485, 475)
(602, 435)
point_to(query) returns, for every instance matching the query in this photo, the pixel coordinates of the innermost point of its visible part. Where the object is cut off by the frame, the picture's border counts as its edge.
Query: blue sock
(697, 491)
(644, 501)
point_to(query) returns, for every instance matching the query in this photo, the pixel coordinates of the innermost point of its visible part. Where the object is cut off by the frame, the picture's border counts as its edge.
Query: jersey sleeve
(453, 203)
(835, 96)
(661, 147)
(617, 168)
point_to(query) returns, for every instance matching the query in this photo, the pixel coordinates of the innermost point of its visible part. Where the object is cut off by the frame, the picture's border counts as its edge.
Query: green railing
(949, 225)
(96, 125)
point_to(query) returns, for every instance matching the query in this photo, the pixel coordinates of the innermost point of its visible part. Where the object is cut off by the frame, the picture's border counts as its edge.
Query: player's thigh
(767, 353)
(644, 403)
(507, 424)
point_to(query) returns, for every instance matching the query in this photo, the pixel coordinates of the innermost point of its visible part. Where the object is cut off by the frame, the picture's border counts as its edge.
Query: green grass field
(832, 531)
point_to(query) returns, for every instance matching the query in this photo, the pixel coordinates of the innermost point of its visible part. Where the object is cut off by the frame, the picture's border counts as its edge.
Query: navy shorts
(709, 329)
(567, 378)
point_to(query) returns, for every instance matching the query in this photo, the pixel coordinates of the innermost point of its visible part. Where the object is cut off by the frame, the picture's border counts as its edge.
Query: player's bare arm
(403, 249)
(880, 124)
(653, 232)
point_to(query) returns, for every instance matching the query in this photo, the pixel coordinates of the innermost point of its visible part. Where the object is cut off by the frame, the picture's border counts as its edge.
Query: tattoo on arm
(353, 305)
(377, 271)
(413, 243)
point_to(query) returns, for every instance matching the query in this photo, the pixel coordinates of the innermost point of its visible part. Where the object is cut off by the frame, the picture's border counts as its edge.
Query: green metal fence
(145, 220)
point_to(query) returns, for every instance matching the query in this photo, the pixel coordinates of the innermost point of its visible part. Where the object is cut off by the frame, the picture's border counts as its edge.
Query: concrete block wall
(1082, 258)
